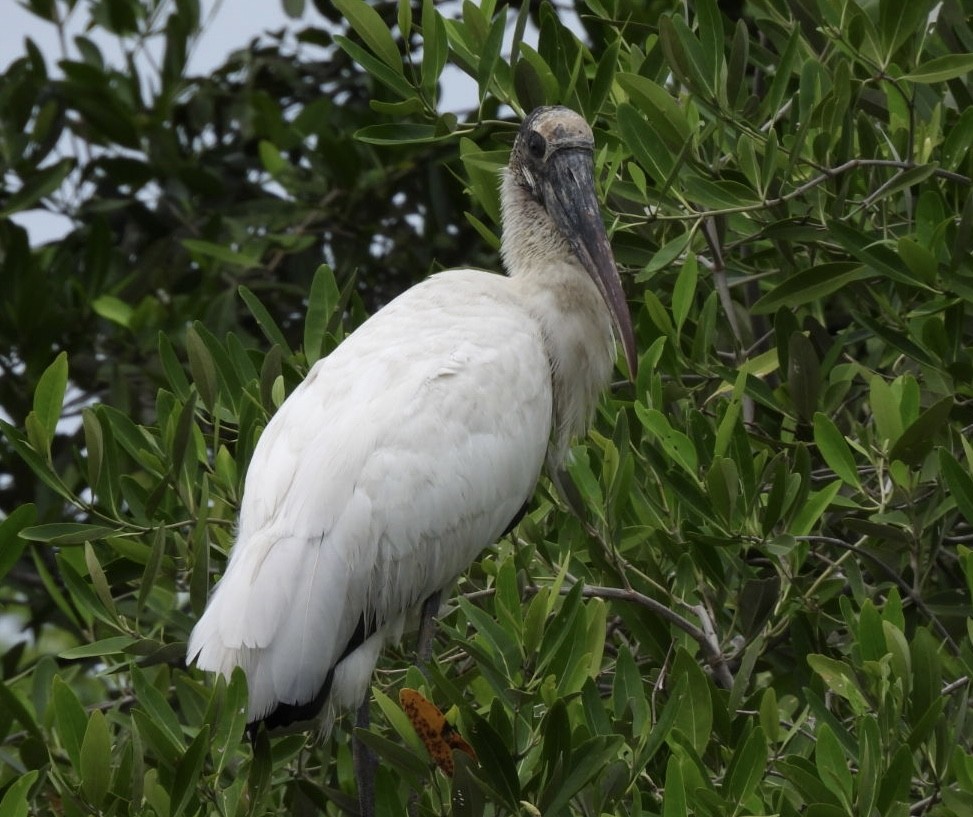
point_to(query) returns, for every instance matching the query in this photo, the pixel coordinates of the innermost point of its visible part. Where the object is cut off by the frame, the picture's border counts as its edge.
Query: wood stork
(413, 445)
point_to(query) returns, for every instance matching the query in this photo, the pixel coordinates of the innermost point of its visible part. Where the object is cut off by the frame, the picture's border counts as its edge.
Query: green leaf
(902, 180)
(368, 24)
(676, 444)
(695, 717)
(94, 440)
(897, 21)
(709, 27)
(115, 645)
(402, 133)
(496, 763)
(649, 151)
(770, 715)
(897, 780)
(832, 765)
(803, 375)
(958, 141)
(489, 55)
(16, 801)
(49, 396)
(202, 367)
(586, 761)
(810, 284)
(534, 80)
(628, 690)
(918, 438)
(895, 339)
(918, 258)
(840, 679)
(99, 582)
(723, 484)
(156, 739)
(898, 649)
(12, 541)
(781, 83)
(232, 720)
(874, 254)
(805, 778)
(66, 533)
(604, 78)
(404, 19)
(885, 409)
(686, 56)
(70, 717)
(188, 771)
(717, 193)
(835, 449)
(96, 761)
(272, 159)
(667, 119)
(13, 706)
(322, 302)
(264, 320)
(959, 482)
(435, 48)
(665, 722)
(927, 672)
(939, 69)
(870, 763)
(667, 253)
(173, 367)
(391, 78)
(113, 309)
(155, 704)
(207, 249)
(684, 291)
(399, 721)
(466, 796)
(674, 795)
(871, 637)
(36, 186)
(747, 767)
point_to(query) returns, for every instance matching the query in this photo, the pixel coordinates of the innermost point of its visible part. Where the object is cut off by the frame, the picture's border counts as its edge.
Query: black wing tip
(285, 714)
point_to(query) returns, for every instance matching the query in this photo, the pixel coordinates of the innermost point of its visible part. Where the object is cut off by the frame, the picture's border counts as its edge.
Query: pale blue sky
(229, 25)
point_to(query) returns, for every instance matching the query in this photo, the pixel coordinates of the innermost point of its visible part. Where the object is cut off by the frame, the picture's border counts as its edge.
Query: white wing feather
(401, 456)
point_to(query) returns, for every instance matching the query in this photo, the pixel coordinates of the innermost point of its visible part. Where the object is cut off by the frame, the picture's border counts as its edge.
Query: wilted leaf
(438, 735)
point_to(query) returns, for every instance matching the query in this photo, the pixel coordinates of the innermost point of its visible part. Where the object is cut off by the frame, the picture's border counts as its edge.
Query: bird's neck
(573, 317)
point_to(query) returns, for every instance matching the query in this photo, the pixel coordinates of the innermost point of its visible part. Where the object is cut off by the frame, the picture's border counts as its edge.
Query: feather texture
(414, 444)
(378, 481)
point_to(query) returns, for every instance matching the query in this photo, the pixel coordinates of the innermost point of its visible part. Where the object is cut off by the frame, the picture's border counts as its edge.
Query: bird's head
(552, 161)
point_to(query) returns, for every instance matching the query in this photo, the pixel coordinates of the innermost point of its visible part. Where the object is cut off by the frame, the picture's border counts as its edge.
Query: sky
(225, 30)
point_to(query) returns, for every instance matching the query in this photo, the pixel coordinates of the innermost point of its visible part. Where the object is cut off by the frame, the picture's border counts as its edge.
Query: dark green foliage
(764, 604)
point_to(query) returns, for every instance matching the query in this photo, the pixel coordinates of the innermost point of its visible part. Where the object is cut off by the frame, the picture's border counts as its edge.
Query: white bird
(412, 446)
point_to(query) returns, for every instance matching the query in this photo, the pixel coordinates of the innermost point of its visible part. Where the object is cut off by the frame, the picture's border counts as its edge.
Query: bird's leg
(365, 764)
(427, 630)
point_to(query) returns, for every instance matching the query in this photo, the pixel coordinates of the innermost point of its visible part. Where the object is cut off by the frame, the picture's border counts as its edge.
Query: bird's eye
(536, 145)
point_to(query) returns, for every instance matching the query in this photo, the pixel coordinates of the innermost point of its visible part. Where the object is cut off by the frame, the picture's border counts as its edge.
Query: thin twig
(705, 636)
(901, 583)
(823, 176)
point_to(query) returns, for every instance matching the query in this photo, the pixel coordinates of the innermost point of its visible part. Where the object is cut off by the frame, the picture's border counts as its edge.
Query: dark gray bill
(569, 196)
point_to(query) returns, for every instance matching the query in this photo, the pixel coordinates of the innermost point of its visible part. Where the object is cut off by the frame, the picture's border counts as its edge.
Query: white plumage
(414, 444)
